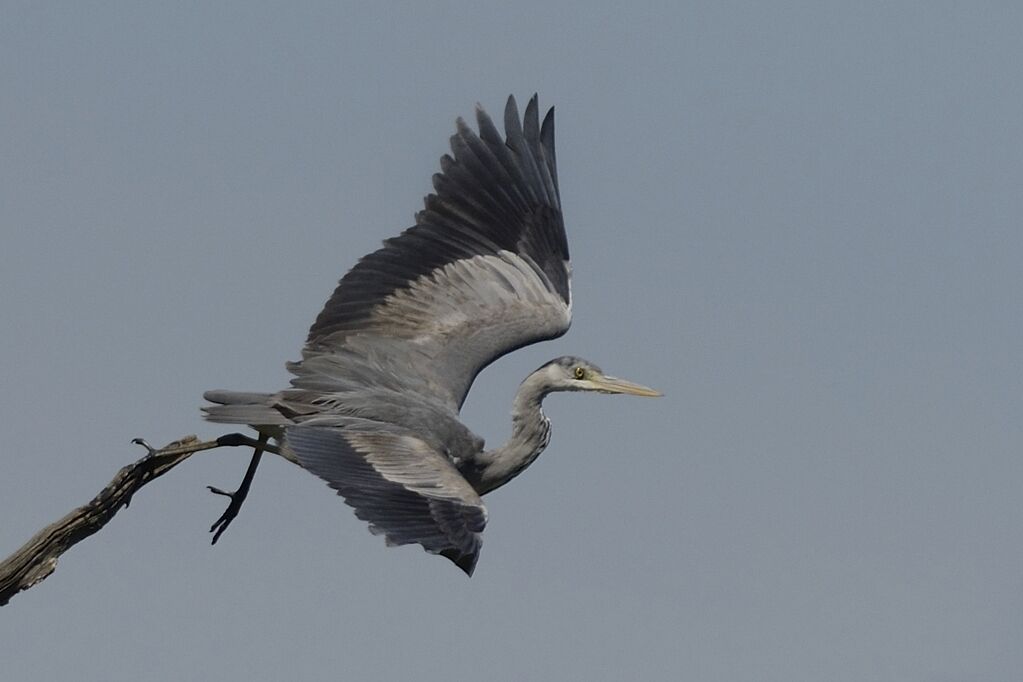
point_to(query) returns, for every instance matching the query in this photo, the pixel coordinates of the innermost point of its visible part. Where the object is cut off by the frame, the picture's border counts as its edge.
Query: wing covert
(406, 490)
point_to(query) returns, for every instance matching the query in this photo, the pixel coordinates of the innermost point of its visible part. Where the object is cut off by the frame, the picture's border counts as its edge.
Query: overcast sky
(801, 222)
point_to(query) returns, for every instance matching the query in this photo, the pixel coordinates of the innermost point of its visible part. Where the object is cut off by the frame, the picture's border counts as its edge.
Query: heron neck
(531, 431)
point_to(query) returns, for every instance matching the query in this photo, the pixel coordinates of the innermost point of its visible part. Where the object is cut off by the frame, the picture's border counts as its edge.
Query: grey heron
(373, 408)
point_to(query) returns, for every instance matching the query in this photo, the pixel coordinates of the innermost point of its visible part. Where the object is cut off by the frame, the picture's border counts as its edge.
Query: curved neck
(531, 431)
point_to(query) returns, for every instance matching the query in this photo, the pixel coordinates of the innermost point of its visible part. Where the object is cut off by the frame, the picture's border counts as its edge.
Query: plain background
(800, 221)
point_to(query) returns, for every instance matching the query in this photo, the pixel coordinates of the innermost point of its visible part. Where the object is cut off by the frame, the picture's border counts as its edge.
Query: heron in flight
(373, 408)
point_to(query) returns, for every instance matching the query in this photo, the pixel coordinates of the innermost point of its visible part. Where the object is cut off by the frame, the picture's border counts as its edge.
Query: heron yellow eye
(580, 373)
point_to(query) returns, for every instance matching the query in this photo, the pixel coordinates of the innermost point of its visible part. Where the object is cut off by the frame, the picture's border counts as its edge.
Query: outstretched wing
(406, 490)
(484, 271)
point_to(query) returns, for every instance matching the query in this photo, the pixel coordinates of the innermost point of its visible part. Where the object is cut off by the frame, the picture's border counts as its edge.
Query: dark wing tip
(547, 132)
(531, 121)
(512, 122)
(466, 562)
(547, 142)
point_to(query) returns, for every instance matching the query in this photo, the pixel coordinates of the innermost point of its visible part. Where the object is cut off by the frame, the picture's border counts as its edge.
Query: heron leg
(238, 496)
(191, 445)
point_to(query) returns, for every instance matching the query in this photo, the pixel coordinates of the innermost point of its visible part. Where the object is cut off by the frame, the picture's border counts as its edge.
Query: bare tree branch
(37, 558)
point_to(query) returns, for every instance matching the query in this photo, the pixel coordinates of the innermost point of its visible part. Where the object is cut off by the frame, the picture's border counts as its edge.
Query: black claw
(143, 443)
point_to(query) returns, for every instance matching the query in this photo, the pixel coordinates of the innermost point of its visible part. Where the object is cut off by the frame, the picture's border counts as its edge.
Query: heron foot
(237, 497)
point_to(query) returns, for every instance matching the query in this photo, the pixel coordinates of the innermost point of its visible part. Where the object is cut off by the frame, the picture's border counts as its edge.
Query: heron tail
(239, 407)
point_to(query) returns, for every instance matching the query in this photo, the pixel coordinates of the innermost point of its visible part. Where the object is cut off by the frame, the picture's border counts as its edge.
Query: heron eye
(580, 373)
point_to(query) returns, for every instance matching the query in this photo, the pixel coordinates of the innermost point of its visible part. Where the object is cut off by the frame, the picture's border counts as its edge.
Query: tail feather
(257, 409)
(224, 397)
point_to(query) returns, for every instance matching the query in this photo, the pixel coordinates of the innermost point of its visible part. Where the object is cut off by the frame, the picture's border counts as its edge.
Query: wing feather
(484, 271)
(404, 489)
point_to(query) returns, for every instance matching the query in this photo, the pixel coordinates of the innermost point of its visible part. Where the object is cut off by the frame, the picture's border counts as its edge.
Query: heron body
(373, 407)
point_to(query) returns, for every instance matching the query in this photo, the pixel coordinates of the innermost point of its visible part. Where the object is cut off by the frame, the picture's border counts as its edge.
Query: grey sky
(801, 222)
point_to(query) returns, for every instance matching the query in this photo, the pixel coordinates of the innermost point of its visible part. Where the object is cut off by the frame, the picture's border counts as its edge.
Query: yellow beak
(607, 384)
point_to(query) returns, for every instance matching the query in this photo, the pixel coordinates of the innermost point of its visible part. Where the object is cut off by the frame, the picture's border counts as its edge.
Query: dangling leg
(238, 496)
(229, 440)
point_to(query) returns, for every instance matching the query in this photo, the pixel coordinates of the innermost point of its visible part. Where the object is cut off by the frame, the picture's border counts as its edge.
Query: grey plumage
(404, 488)
(373, 406)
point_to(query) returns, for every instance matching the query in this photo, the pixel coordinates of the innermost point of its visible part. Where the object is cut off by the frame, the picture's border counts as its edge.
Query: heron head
(569, 373)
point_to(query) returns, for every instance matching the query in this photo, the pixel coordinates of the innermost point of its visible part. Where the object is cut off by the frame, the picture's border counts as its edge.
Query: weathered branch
(37, 558)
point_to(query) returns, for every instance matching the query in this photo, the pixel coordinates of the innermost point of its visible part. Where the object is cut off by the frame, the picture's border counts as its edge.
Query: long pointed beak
(615, 385)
